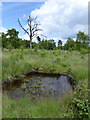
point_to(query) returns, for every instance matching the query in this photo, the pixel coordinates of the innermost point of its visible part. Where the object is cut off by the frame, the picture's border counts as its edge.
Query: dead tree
(32, 29)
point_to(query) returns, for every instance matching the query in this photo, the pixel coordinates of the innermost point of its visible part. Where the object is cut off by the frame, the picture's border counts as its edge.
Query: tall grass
(18, 62)
(42, 108)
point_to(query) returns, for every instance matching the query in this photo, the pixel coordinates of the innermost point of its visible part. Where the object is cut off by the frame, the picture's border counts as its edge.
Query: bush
(70, 49)
(83, 51)
(80, 101)
(9, 46)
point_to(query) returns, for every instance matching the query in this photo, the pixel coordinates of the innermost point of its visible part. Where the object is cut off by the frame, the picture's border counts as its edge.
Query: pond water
(39, 86)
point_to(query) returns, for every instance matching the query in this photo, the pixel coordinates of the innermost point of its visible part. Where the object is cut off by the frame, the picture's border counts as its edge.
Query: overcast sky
(59, 19)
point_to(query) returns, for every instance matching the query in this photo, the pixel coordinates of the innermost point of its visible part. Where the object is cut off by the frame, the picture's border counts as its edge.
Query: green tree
(82, 40)
(70, 44)
(59, 43)
(12, 33)
(47, 44)
(4, 40)
(13, 37)
(51, 44)
(38, 39)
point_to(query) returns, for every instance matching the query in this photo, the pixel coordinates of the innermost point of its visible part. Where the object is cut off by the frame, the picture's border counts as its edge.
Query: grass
(19, 62)
(25, 108)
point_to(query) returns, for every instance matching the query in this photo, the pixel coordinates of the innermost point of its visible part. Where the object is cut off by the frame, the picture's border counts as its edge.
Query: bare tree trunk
(33, 29)
(30, 42)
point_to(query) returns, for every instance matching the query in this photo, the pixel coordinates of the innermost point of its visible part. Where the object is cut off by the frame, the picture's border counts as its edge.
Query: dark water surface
(39, 86)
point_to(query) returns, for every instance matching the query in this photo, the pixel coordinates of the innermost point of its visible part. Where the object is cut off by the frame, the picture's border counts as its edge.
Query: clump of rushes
(50, 90)
(27, 80)
(24, 86)
(33, 92)
(39, 83)
(34, 86)
(36, 90)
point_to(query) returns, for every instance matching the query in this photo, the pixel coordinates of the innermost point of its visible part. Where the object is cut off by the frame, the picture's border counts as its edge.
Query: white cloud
(26, 37)
(63, 18)
(2, 29)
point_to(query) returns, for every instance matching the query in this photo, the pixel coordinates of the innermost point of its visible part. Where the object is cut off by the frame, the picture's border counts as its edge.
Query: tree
(59, 43)
(82, 40)
(47, 44)
(13, 39)
(32, 28)
(51, 44)
(70, 44)
(4, 40)
(12, 33)
(38, 39)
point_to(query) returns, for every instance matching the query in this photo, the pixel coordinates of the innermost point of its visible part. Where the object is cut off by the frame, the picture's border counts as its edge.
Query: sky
(59, 19)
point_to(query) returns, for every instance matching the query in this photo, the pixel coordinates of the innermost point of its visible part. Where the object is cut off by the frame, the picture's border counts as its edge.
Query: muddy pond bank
(38, 84)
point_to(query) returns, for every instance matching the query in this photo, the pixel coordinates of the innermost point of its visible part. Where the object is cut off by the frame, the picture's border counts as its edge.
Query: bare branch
(37, 30)
(23, 27)
(35, 35)
(35, 26)
(33, 29)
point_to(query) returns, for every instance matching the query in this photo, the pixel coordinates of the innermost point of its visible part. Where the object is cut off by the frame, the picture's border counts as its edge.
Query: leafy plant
(80, 101)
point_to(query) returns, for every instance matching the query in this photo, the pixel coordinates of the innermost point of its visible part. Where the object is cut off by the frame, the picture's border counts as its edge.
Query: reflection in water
(39, 86)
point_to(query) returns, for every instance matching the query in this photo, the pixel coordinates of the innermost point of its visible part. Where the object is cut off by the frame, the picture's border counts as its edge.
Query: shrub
(83, 51)
(80, 101)
(9, 46)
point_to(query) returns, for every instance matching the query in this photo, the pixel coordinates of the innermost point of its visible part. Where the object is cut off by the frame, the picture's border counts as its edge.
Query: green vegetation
(39, 83)
(54, 90)
(24, 86)
(71, 106)
(80, 101)
(72, 58)
(50, 91)
(10, 40)
(18, 62)
(34, 86)
(43, 108)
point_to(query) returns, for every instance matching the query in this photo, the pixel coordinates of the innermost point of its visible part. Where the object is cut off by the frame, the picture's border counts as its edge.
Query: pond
(38, 85)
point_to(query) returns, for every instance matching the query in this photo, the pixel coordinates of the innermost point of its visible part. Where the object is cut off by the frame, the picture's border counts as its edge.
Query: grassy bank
(19, 62)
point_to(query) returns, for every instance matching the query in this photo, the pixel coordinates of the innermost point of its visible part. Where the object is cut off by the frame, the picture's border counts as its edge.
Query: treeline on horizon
(10, 40)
